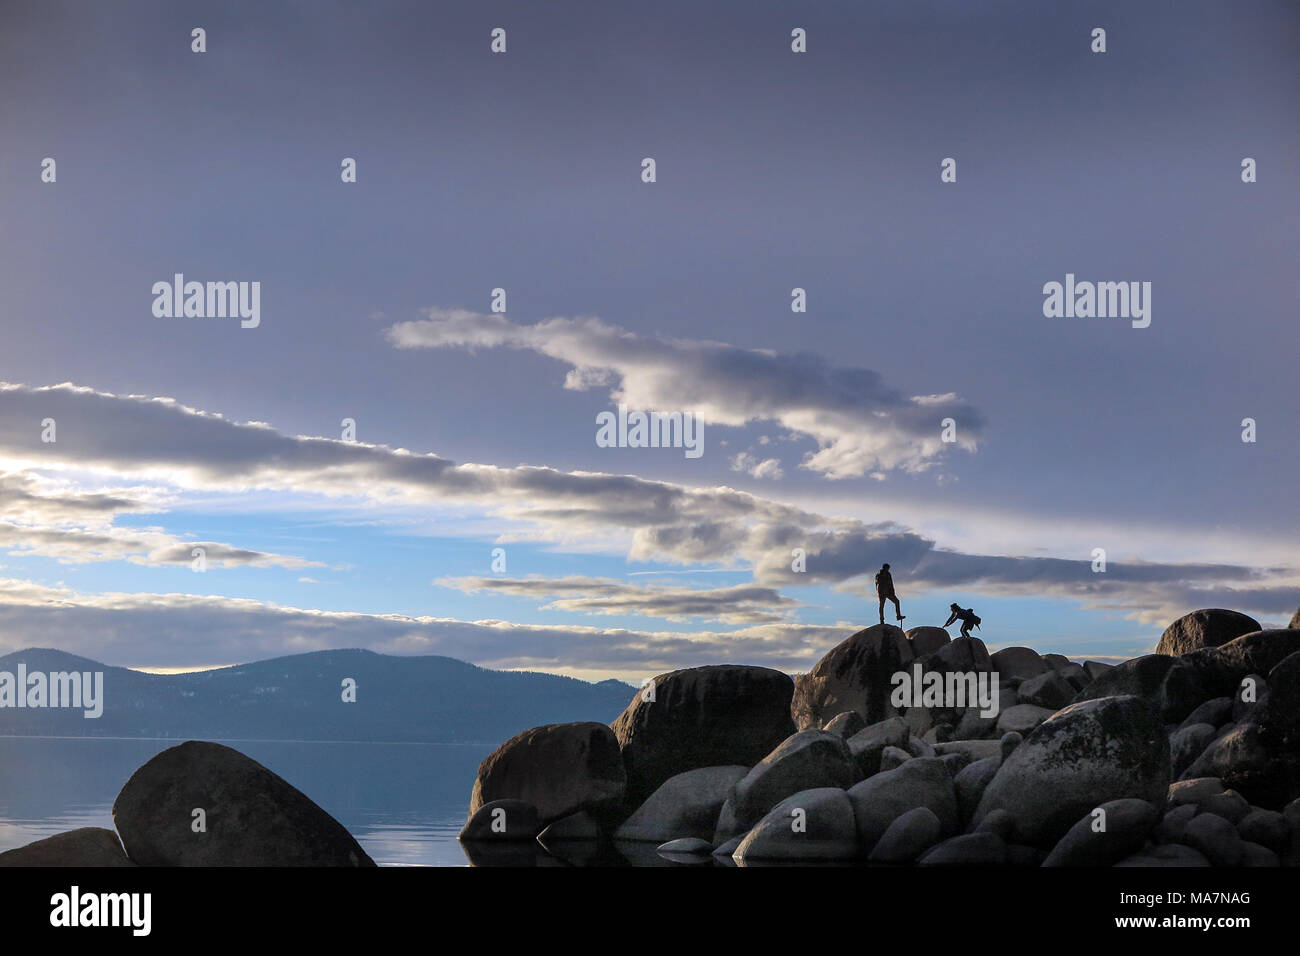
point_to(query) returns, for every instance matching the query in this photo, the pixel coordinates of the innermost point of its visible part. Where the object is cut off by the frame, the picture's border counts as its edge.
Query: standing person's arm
(952, 617)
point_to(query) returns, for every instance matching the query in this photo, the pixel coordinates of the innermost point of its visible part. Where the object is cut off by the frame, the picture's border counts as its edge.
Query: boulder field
(1186, 757)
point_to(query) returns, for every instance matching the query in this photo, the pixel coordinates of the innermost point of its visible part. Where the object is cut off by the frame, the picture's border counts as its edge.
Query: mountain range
(425, 699)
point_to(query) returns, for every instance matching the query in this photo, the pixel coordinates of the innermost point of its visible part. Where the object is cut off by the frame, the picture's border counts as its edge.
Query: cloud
(860, 424)
(160, 439)
(750, 465)
(738, 604)
(187, 630)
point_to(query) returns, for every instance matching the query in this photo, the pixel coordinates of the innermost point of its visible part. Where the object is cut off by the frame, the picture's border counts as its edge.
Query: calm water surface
(404, 803)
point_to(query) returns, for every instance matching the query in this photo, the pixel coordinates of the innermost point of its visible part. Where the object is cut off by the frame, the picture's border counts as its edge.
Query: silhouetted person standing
(967, 617)
(885, 591)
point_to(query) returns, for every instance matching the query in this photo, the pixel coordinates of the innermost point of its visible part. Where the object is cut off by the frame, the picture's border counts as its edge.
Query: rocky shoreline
(1186, 757)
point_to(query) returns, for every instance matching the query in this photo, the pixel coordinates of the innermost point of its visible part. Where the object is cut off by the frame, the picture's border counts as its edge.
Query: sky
(472, 511)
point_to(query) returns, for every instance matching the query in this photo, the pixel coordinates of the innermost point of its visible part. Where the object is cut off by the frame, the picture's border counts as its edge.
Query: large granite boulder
(927, 640)
(702, 717)
(1021, 662)
(1243, 759)
(1105, 840)
(204, 804)
(501, 820)
(855, 674)
(880, 800)
(1280, 718)
(1222, 668)
(686, 805)
(808, 760)
(558, 768)
(815, 824)
(1172, 685)
(1206, 628)
(87, 846)
(1079, 758)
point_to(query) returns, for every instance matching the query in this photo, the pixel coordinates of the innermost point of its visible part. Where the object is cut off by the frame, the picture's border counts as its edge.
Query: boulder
(702, 717)
(1230, 805)
(1256, 855)
(1222, 668)
(1174, 686)
(686, 805)
(688, 846)
(814, 824)
(970, 849)
(974, 725)
(1187, 743)
(1279, 718)
(1250, 697)
(1095, 669)
(1022, 718)
(1192, 790)
(1049, 690)
(1126, 825)
(558, 768)
(893, 757)
(1022, 662)
(970, 783)
(869, 743)
(927, 640)
(1174, 854)
(1214, 838)
(576, 826)
(252, 816)
(921, 782)
(1265, 827)
(1216, 711)
(1058, 662)
(974, 749)
(502, 820)
(727, 826)
(846, 724)
(1081, 757)
(808, 760)
(854, 675)
(1244, 761)
(999, 822)
(85, 846)
(1075, 674)
(1207, 628)
(1171, 825)
(908, 837)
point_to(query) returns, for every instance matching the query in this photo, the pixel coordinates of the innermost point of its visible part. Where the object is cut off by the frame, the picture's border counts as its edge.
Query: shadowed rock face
(1079, 758)
(559, 769)
(1205, 628)
(1171, 684)
(854, 675)
(252, 816)
(702, 717)
(1222, 668)
(88, 846)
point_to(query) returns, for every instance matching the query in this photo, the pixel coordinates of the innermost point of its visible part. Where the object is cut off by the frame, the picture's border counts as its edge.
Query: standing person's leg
(898, 610)
(882, 608)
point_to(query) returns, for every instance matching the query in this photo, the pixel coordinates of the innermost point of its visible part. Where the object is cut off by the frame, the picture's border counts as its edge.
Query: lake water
(404, 803)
